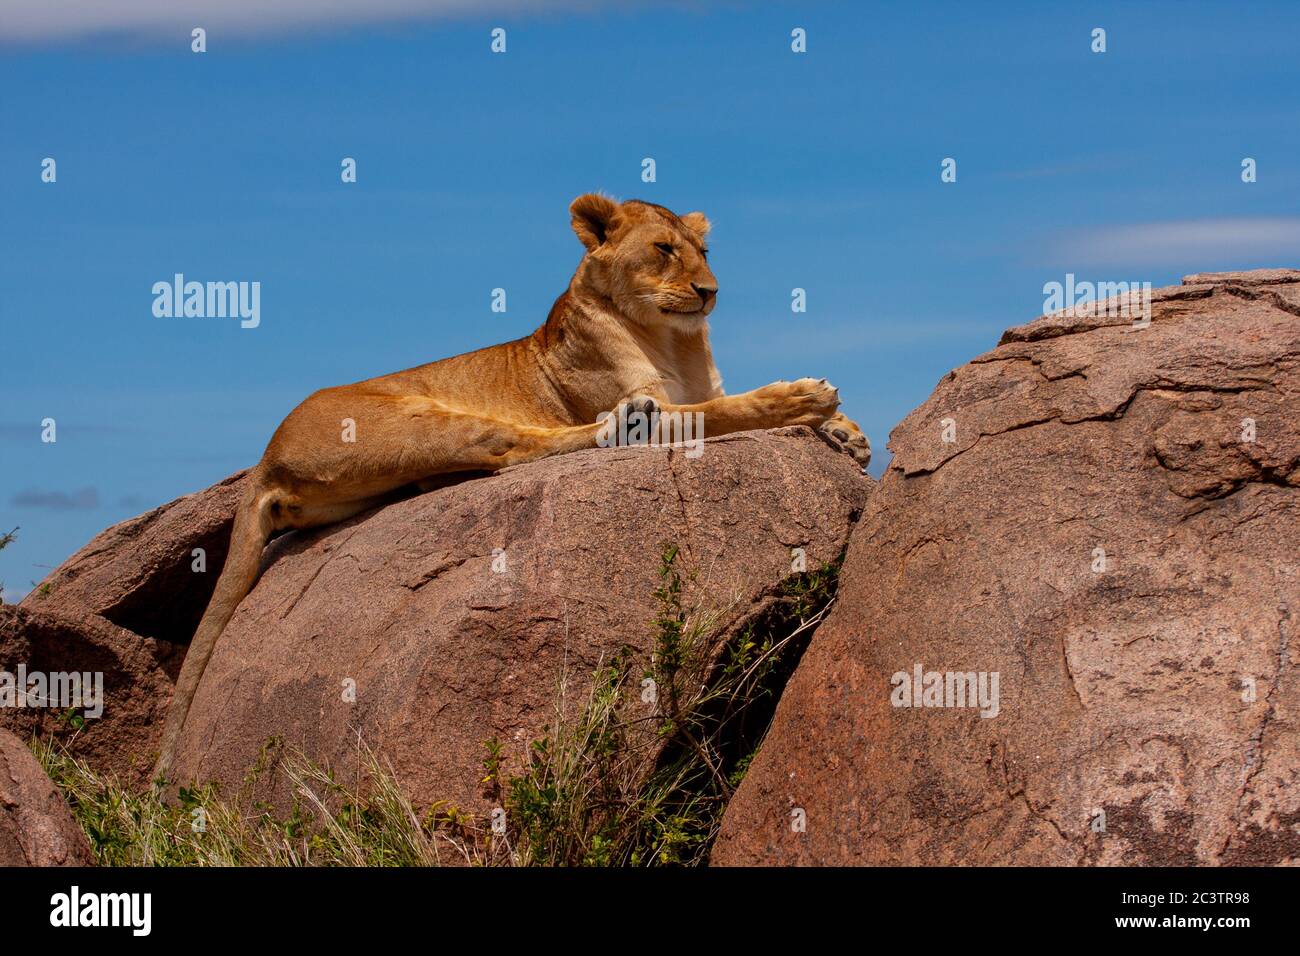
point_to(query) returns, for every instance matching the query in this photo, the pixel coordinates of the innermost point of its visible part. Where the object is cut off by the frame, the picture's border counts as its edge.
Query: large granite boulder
(143, 573)
(1103, 515)
(423, 629)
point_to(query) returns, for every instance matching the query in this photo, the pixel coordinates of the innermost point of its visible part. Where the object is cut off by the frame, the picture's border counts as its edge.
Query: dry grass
(368, 824)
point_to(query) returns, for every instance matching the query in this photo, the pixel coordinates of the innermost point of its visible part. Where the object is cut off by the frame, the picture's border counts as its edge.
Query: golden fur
(630, 333)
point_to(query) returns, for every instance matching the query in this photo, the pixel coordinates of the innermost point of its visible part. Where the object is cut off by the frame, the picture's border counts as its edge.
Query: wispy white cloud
(52, 20)
(83, 499)
(1187, 244)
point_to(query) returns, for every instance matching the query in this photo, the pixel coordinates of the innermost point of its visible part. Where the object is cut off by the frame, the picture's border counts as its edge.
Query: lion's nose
(705, 292)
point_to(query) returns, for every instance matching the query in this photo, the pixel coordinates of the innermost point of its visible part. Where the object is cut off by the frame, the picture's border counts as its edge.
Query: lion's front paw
(633, 422)
(807, 401)
(845, 435)
(642, 405)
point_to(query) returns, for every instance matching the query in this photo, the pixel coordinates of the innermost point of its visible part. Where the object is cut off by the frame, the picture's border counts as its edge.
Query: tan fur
(630, 331)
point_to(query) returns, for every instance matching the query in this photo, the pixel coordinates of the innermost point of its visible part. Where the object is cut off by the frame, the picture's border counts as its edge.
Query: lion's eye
(665, 247)
(705, 254)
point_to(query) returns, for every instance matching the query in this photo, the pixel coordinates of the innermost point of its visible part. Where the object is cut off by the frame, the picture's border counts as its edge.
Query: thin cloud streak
(42, 20)
(84, 500)
(1188, 244)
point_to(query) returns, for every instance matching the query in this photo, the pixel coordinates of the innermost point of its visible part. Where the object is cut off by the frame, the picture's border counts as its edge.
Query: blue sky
(819, 170)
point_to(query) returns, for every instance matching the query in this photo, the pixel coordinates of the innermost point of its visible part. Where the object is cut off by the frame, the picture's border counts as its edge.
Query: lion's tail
(252, 529)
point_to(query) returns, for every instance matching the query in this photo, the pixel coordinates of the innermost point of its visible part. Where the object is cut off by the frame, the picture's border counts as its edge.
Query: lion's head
(651, 262)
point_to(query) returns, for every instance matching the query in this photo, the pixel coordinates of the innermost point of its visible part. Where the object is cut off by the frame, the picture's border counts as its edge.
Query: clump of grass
(641, 775)
(329, 824)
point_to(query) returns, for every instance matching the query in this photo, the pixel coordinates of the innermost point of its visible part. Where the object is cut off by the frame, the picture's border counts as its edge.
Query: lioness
(630, 335)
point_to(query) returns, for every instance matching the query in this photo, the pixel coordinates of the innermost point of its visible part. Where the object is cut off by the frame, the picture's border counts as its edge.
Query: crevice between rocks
(781, 612)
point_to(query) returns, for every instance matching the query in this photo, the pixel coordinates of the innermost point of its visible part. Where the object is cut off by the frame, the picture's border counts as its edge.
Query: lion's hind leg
(347, 445)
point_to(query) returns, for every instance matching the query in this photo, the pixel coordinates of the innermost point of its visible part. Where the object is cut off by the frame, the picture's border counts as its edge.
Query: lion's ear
(592, 213)
(698, 223)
